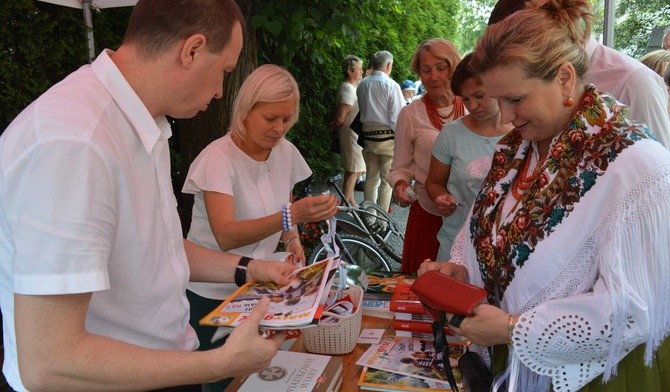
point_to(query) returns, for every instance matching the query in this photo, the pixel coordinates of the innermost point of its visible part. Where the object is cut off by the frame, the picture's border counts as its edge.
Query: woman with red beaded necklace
(462, 154)
(418, 125)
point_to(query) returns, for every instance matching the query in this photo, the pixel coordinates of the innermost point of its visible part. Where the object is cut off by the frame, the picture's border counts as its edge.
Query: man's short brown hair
(157, 25)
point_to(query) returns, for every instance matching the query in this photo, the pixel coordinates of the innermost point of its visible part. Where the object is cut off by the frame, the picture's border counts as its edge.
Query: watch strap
(241, 271)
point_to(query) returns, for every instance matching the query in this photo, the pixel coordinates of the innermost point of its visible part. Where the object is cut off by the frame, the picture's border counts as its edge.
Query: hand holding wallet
(441, 293)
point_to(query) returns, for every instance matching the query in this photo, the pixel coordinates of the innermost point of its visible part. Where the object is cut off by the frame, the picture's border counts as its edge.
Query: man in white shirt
(379, 101)
(93, 264)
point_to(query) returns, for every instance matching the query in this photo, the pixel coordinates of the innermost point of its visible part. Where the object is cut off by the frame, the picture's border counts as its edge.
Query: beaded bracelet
(286, 222)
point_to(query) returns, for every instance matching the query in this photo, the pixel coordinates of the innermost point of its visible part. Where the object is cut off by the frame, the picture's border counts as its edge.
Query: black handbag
(357, 127)
(476, 376)
(335, 142)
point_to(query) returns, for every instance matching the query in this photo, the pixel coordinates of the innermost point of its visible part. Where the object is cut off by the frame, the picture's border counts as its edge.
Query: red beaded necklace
(437, 119)
(522, 182)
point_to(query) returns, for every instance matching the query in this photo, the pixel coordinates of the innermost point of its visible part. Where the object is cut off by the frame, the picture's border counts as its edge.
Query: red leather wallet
(441, 293)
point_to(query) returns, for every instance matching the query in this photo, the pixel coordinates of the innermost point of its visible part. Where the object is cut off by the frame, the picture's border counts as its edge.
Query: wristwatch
(241, 270)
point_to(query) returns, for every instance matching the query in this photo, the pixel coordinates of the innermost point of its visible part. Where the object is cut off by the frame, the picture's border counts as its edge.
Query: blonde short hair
(349, 63)
(267, 83)
(657, 60)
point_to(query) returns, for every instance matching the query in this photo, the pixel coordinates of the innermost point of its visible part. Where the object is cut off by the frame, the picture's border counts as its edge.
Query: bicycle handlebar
(335, 179)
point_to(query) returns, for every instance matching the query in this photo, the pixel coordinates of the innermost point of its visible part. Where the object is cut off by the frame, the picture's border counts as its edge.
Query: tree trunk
(192, 135)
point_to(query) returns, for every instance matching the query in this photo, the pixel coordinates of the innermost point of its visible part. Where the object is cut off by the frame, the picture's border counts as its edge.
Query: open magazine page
(408, 356)
(297, 304)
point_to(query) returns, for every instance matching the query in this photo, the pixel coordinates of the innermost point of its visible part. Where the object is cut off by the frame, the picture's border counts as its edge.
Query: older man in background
(380, 101)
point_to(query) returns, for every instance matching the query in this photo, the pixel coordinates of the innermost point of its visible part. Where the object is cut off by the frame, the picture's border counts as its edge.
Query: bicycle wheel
(387, 232)
(356, 250)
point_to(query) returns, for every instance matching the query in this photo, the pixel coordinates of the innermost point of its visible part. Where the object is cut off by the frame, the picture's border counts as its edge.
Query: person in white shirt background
(616, 73)
(379, 101)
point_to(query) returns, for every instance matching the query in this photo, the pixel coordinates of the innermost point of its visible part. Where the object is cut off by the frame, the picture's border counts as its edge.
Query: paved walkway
(399, 214)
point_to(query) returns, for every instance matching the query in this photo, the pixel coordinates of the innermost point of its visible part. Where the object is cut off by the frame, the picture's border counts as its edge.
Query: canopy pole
(608, 24)
(88, 21)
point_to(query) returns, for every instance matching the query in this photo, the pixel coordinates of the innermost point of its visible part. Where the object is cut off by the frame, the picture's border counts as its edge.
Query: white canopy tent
(86, 6)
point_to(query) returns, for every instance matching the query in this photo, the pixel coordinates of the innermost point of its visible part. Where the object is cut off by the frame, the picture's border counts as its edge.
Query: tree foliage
(41, 43)
(472, 21)
(634, 21)
(311, 37)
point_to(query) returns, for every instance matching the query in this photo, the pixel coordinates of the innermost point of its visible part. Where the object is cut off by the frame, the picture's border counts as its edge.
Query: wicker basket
(340, 337)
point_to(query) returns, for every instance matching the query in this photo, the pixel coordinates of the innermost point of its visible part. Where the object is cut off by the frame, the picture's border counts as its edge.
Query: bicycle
(369, 221)
(356, 251)
(366, 235)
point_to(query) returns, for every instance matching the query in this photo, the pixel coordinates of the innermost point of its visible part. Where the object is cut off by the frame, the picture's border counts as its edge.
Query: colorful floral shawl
(578, 156)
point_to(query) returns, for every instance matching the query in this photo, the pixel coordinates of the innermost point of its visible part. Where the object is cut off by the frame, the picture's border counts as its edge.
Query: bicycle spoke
(359, 251)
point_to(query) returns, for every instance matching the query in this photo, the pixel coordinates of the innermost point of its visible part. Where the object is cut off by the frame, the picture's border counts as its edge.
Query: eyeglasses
(439, 67)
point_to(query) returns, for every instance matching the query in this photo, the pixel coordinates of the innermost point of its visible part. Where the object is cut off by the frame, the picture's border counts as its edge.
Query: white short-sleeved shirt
(379, 99)
(347, 95)
(259, 189)
(86, 205)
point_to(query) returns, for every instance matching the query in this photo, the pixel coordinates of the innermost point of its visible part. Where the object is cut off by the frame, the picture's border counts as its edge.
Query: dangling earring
(567, 102)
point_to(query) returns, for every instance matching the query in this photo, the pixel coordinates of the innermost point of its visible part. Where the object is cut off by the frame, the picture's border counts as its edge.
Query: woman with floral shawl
(570, 234)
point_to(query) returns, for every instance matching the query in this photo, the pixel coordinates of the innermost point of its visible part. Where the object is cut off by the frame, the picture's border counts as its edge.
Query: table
(352, 372)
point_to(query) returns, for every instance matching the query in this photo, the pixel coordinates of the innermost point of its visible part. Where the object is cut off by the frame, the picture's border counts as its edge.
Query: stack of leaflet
(409, 316)
(377, 296)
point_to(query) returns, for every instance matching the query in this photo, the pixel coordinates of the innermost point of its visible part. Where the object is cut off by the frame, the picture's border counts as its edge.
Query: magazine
(298, 304)
(407, 356)
(381, 380)
(381, 284)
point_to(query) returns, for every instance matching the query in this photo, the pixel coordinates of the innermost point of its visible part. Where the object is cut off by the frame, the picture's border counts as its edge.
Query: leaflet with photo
(298, 304)
(382, 284)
